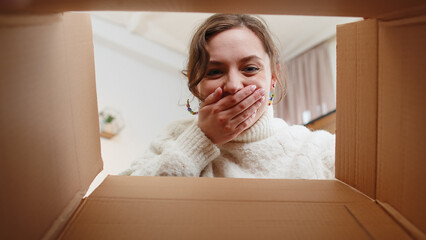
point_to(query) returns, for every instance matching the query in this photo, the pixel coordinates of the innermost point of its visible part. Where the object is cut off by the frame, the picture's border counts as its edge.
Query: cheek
(205, 88)
(261, 81)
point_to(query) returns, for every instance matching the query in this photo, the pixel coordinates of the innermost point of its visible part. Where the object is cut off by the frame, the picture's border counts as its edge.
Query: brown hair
(199, 57)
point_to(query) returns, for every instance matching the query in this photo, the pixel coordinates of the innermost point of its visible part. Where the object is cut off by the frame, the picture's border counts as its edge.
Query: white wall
(142, 81)
(332, 51)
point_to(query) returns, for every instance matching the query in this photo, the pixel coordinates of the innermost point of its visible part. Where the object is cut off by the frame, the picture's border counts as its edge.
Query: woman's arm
(183, 150)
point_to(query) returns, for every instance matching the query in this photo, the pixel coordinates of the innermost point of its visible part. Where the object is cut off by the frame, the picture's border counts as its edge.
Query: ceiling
(295, 34)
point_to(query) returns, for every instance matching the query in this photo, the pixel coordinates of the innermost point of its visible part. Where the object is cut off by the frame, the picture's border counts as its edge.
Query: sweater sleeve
(324, 161)
(318, 147)
(183, 150)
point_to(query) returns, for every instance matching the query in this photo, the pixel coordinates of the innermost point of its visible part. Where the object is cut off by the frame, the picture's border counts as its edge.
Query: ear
(274, 78)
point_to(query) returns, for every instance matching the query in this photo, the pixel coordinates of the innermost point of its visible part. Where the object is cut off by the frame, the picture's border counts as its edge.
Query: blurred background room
(139, 57)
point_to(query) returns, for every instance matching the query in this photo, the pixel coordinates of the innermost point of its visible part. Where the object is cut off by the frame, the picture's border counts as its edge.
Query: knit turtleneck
(268, 149)
(261, 129)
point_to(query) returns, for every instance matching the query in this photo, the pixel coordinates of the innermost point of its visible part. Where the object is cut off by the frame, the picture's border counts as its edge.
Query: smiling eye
(213, 72)
(251, 69)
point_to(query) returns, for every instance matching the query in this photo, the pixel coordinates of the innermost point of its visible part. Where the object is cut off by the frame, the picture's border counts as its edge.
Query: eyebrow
(251, 57)
(243, 60)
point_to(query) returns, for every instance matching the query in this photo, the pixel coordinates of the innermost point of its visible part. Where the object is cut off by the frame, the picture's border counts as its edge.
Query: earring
(271, 97)
(189, 108)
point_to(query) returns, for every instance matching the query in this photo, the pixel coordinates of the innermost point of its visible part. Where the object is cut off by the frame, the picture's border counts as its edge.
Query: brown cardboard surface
(49, 141)
(212, 208)
(224, 189)
(376, 221)
(401, 133)
(407, 225)
(82, 86)
(361, 8)
(404, 13)
(326, 122)
(356, 121)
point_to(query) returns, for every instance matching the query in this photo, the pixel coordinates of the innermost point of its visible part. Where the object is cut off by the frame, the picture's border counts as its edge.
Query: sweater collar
(261, 129)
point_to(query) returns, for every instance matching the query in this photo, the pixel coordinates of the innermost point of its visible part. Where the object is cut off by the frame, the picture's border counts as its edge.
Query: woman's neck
(261, 129)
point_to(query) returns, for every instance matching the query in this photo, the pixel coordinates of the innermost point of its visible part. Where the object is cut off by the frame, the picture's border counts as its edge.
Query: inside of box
(378, 145)
(380, 85)
(356, 121)
(51, 146)
(187, 208)
(401, 113)
(360, 8)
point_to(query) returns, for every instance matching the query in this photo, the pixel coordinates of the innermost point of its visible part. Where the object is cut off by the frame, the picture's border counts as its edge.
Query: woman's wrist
(196, 145)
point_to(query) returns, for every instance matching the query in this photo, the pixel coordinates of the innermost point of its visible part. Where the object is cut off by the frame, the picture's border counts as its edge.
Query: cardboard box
(50, 150)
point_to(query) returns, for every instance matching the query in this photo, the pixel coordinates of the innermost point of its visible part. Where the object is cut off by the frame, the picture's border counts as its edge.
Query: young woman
(233, 69)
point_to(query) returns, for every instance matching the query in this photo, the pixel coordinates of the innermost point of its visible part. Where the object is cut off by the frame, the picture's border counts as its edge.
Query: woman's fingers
(248, 102)
(221, 119)
(248, 113)
(232, 100)
(213, 97)
(246, 123)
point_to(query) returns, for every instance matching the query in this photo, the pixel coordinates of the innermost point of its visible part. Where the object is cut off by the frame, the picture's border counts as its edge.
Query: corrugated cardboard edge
(78, 40)
(49, 159)
(67, 224)
(377, 222)
(63, 218)
(411, 228)
(404, 13)
(72, 210)
(371, 218)
(62, 223)
(326, 8)
(356, 190)
(401, 220)
(356, 121)
(13, 20)
(73, 24)
(406, 21)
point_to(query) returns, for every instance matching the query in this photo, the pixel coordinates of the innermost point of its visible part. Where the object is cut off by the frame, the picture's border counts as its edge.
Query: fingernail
(262, 99)
(253, 87)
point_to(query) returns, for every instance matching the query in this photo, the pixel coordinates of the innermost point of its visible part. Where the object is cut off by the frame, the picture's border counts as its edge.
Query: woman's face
(237, 59)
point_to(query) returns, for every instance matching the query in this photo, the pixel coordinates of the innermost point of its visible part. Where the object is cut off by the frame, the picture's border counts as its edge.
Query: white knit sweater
(269, 149)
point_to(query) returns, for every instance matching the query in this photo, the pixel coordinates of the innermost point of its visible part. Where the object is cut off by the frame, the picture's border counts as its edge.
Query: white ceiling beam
(134, 21)
(120, 39)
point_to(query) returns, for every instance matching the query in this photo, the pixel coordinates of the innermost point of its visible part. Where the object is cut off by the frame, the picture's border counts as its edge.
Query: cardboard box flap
(49, 142)
(213, 208)
(361, 8)
(356, 121)
(402, 130)
(224, 189)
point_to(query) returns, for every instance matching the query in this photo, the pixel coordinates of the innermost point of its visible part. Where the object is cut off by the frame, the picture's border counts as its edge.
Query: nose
(233, 82)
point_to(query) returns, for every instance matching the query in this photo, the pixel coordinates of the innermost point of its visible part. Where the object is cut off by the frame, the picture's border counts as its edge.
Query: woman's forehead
(237, 43)
(247, 59)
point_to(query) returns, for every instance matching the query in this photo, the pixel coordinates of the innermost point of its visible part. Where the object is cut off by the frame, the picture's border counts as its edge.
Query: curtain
(310, 90)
